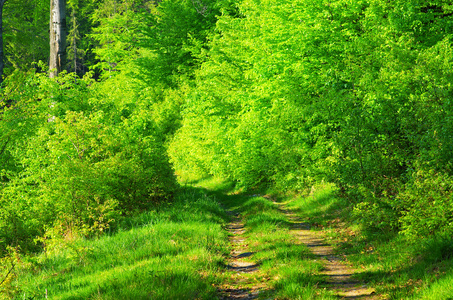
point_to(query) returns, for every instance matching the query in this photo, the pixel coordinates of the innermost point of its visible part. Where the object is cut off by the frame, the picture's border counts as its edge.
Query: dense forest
(282, 94)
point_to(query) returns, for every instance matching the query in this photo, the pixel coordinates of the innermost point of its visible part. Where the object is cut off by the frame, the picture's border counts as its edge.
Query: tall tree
(2, 2)
(58, 34)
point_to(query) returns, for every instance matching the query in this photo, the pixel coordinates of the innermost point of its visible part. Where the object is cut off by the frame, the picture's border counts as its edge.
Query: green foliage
(75, 55)
(18, 119)
(427, 205)
(296, 92)
(375, 216)
(85, 162)
(8, 271)
(25, 33)
(176, 32)
(115, 36)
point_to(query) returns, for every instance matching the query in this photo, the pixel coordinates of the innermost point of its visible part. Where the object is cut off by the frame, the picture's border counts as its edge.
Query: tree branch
(13, 265)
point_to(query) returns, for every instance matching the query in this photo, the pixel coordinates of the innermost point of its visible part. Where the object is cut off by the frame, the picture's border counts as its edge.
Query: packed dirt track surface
(240, 261)
(338, 272)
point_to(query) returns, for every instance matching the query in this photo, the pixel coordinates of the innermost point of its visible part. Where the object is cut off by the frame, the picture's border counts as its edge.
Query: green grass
(289, 265)
(396, 267)
(178, 251)
(441, 288)
(172, 252)
(407, 270)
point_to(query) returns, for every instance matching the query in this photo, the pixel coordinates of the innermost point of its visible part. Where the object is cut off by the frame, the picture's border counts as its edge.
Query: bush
(86, 163)
(428, 204)
(376, 216)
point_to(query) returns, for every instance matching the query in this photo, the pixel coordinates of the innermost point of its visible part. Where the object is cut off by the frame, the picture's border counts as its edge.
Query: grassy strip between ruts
(289, 265)
(173, 252)
(287, 269)
(396, 267)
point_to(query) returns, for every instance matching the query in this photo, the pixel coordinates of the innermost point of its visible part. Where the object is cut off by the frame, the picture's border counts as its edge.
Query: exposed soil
(338, 272)
(241, 262)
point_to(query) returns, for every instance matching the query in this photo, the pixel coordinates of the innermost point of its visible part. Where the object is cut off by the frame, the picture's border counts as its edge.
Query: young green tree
(25, 34)
(74, 53)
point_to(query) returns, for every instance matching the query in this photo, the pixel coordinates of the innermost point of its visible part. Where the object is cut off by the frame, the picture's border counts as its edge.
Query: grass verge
(172, 252)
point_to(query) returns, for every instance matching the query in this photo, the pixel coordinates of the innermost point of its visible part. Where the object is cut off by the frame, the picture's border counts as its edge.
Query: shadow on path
(338, 273)
(241, 262)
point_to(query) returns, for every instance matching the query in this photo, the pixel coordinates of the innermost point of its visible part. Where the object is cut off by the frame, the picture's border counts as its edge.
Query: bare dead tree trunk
(58, 34)
(2, 55)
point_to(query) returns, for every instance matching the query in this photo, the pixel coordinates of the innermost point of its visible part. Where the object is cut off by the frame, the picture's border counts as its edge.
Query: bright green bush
(427, 205)
(87, 161)
(376, 216)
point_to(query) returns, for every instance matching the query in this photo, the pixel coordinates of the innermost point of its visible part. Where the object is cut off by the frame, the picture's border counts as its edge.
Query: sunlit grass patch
(298, 281)
(442, 288)
(172, 252)
(263, 213)
(400, 269)
(320, 205)
(211, 183)
(258, 204)
(266, 221)
(155, 277)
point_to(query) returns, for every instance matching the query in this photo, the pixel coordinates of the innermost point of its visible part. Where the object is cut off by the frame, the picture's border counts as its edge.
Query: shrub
(85, 163)
(428, 204)
(376, 215)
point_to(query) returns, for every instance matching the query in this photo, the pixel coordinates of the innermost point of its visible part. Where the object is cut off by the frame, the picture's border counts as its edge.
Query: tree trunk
(2, 59)
(74, 40)
(58, 34)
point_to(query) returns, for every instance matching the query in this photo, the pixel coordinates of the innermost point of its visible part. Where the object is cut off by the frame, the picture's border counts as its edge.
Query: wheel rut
(338, 273)
(243, 275)
(240, 262)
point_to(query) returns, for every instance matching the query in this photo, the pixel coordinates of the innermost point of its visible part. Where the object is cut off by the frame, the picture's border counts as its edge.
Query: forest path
(338, 272)
(240, 262)
(245, 279)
